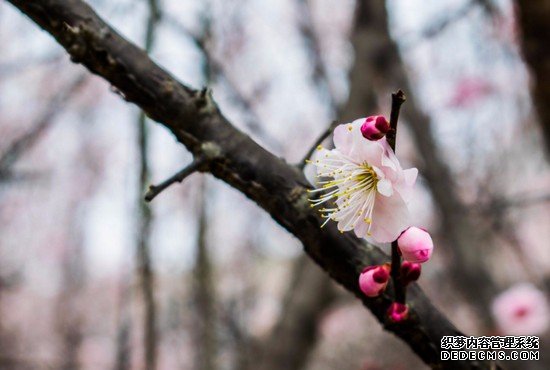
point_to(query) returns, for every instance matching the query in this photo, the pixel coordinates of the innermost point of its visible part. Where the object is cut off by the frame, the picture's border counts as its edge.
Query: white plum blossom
(363, 185)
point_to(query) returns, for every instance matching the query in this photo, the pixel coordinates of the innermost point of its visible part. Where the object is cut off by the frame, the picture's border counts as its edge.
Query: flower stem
(399, 289)
(397, 99)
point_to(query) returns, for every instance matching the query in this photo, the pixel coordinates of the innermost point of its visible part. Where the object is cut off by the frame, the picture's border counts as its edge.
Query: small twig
(155, 190)
(317, 142)
(397, 99)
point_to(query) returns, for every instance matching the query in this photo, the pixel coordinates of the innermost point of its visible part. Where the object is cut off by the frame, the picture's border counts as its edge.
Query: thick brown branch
(277, 187)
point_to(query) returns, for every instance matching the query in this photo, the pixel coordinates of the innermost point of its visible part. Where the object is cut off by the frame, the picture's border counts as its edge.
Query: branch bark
(274, 185)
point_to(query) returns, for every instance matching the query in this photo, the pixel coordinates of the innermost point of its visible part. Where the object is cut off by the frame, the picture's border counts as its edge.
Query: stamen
(352, 188)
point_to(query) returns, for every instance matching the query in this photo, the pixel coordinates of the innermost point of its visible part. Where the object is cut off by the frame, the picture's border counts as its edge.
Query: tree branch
(277, 187)
(193, 167)
(397, 99)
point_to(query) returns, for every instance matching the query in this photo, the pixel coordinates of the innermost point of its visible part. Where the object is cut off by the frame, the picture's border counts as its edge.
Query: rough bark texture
(379, 69)
(277, 187)
(534, 16)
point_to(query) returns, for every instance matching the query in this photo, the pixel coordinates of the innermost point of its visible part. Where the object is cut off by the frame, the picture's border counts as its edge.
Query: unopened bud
(409, 272)
(375, 127)
(398, 312)
(415, 245)
(374, 279)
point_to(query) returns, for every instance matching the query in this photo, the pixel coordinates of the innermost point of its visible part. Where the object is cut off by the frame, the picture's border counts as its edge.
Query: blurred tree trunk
(145, 220)
(378, 70)
(8, 338)
(69, 314)
(124, 326)
(309, 295)
(204, 292)
(534, 22)
(144, 264)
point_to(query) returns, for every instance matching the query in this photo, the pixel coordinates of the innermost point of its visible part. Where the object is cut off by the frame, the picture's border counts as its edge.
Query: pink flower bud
(416, 245)
(375, 127)
(398, 312)
(373, 280)
(410, 272)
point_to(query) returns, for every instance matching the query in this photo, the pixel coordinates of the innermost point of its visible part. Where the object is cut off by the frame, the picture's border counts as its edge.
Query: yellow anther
(350, 127)
(319, 147)
(368, 220)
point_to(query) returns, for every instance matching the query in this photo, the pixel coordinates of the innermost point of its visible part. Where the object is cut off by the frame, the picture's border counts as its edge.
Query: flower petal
(385, 187)
(343, 140)
(367, 151)
(389, 159)
(406, 185)
(390, 218)
(361, 229)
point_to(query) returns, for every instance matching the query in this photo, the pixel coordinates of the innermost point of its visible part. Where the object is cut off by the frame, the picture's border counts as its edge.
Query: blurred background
(93, 278)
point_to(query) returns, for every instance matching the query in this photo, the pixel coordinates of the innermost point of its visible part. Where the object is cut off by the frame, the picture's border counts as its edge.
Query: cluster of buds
(416, 247)
(414, 244)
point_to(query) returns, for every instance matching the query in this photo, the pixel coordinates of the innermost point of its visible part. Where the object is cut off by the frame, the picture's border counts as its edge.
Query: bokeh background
(91, 278)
